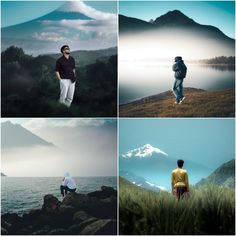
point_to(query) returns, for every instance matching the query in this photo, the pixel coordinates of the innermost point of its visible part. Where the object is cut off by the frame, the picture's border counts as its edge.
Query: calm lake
(138, 79)
(21, 194)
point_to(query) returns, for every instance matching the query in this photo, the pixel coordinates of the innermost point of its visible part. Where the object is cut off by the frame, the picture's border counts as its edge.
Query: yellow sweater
(179, 177)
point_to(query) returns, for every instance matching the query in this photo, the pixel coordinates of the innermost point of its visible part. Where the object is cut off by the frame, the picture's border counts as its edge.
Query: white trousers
(67, 89)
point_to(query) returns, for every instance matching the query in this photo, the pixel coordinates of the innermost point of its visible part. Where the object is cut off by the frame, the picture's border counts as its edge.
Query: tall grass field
(207, 210)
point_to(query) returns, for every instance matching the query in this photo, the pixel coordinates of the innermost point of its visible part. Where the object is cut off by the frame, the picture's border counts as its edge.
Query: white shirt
(69, 182)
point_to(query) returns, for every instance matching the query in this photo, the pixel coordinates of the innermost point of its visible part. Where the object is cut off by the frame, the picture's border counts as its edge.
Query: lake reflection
(138, 79)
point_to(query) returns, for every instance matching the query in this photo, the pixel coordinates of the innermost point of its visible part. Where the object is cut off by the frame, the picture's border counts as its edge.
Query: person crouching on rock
(68, 184)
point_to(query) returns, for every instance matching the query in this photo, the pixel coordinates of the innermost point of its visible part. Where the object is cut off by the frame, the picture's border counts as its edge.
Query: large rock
(104, 193)
(80, 216)
(101, 227)
(31, 216)
(100, 208)
(77, 228)
(4, 231)
(58, 231)
(50, 203)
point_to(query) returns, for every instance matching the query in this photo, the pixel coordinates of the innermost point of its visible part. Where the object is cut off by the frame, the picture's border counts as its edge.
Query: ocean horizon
(22, 194)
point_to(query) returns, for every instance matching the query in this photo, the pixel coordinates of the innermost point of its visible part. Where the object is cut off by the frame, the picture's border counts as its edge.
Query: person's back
(179, 68)
(179, 180)
(179, 177)
(70, 182)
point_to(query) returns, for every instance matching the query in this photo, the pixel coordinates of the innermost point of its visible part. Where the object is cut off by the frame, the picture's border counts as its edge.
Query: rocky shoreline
(94, 213)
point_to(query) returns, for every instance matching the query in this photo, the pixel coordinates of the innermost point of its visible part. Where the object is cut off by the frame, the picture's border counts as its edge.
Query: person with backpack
(179, 181)
(180, 70)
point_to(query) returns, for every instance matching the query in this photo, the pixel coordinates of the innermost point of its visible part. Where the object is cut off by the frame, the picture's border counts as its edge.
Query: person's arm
(58, 75)
(186, 181)
(57, 70)
(172, 181)
(175, 67)
(74, 69)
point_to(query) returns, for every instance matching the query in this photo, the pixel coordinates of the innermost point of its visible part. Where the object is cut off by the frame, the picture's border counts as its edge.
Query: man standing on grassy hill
(179, 180)
(180, 70)
(65, 72)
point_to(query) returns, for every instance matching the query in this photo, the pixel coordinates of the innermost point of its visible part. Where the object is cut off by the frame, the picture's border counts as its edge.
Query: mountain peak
(174, 17)
(145, 151)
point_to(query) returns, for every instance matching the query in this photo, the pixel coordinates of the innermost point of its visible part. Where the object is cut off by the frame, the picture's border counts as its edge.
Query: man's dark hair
(180, 163)
(178, 58)
(63, 47)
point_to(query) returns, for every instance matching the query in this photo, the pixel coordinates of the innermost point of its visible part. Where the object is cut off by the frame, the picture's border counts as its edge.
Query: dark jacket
(180, 69)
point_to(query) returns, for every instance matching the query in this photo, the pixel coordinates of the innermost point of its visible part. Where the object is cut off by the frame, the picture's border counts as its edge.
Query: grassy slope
(198, 103)
(209, 210)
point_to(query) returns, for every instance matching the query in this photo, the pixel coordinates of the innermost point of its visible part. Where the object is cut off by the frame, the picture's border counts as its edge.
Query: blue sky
(206, 141)
(217, 13)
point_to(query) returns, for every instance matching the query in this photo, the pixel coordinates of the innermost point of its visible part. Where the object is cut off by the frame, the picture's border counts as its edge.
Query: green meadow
(207, 210)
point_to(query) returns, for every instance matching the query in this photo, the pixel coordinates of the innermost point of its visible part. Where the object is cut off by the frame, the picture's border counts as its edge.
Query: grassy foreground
(198, 103)
(208, 210)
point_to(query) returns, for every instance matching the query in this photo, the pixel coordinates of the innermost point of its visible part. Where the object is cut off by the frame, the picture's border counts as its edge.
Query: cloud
(48, 36)
(79, 6)
(39, 123)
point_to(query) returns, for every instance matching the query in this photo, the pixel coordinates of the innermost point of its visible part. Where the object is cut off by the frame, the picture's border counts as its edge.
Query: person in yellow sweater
(179, 180)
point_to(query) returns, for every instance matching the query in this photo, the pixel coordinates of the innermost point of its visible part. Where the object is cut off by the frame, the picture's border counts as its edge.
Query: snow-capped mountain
(155, 166)
(143, 152)
(141, 182)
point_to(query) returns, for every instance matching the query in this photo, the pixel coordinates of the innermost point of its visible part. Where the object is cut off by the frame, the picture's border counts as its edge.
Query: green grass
(208, 210)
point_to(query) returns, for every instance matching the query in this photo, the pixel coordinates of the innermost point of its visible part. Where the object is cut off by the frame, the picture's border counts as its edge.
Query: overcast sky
(85, 147)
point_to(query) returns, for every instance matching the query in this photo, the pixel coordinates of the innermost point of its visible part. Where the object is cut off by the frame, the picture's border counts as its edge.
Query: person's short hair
(178, 58)
(180, 163)
(63, 47)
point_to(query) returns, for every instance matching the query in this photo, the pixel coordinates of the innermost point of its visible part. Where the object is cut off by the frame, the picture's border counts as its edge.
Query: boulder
(11, 218)
(5, 225)
(58, 231)
(80, 216)
(77, 228)
(104, 193)
(4, 231)
(101, 227)
(40, 232)
(50, 203)
(31, 216)
(66, 210)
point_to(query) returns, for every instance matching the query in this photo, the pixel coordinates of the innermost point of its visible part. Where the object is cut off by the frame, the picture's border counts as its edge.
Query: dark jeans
(65, 189)
(178, 89)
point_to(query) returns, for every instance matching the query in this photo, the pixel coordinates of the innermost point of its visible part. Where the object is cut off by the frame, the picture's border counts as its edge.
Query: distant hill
(3, 175)
(141, 182)
(85, 57)
(198, 103)
(223, 176)
(14, 136)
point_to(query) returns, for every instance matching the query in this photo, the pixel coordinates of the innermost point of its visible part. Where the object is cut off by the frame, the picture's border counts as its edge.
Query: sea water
(21, 194)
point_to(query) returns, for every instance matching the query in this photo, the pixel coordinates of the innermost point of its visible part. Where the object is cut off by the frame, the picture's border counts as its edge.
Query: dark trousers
(65, 189)
(179, 191)
(178, 89)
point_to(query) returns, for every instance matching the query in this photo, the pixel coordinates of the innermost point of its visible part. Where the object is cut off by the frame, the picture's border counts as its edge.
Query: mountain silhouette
(174, 18)
(180, 31)
(223, 176)
(15, 136)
